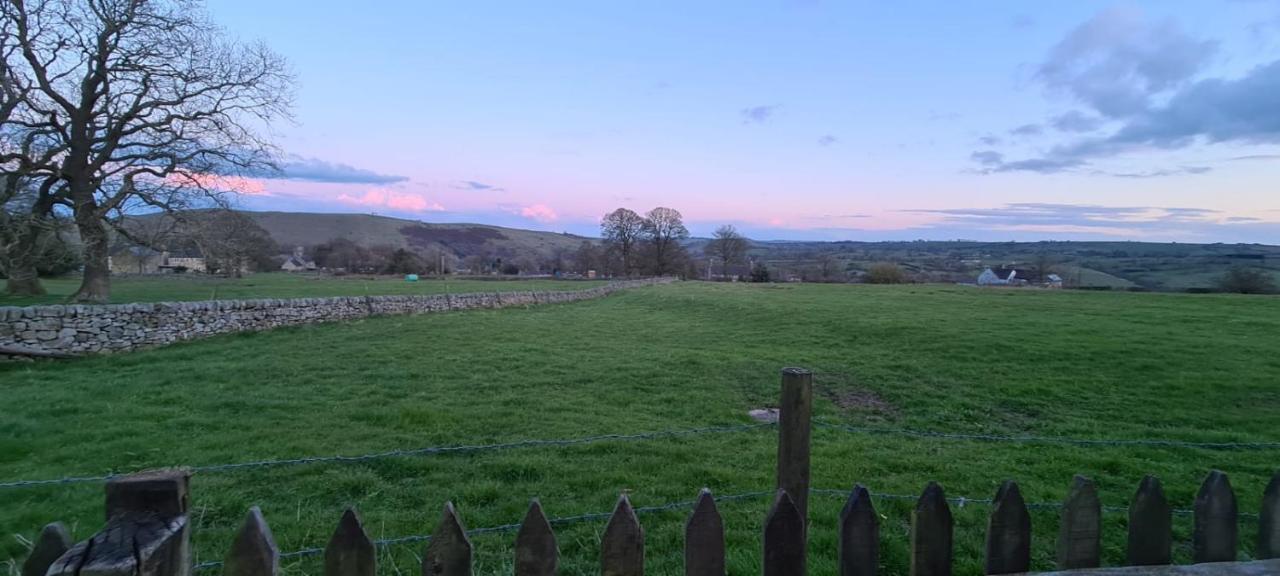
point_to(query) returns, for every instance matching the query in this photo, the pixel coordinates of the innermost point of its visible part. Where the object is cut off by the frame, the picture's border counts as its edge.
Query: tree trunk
(95, 286)
(23, 279)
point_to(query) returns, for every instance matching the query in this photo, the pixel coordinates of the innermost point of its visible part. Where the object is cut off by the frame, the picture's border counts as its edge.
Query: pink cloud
(237, 184)
(393, 200)
(540, 213)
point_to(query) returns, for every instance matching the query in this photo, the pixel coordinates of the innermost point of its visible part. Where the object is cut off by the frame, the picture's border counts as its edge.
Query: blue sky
(790, 119)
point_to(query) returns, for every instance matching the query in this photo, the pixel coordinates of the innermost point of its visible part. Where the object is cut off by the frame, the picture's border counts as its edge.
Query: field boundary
(60, 331)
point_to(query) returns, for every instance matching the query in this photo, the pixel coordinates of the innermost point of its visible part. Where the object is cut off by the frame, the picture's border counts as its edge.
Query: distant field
(187, 287)
(1100, 365)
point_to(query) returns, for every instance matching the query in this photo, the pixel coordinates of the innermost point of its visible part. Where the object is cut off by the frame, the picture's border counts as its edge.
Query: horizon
(794, 121)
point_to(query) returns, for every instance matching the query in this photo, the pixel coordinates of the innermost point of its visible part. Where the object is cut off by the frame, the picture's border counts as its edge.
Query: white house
(1002, 277)
(296, 262)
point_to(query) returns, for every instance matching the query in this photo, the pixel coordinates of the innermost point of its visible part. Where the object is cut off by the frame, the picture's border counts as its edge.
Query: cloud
(1075, 121)
(1157, 173)
(1252, 157)
(989, 158)
(539, 213)
(757, 114)
(1211, 111)
(1117, 61)
(394, 200)
(316, 170)
(989, 140)
(477, 186)
(1036, 220)
(827, 140)
(1027, 130)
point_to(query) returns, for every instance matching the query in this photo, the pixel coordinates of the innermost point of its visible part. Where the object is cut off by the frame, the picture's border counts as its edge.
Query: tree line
(111, 108)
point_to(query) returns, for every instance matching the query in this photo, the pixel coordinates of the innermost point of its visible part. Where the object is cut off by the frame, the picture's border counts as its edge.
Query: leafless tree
(230, 241)
(663, 230)
(146, 103)
(622, 231)
(728, 246)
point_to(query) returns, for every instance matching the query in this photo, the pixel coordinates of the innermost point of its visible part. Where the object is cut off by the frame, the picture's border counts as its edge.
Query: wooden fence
(148, 530)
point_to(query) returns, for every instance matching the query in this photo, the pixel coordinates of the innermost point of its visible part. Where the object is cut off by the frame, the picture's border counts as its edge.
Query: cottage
(297, 262)
(1003, 277)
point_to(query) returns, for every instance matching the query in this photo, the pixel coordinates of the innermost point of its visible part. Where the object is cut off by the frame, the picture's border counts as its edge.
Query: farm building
(1003, 277)
(297, 262)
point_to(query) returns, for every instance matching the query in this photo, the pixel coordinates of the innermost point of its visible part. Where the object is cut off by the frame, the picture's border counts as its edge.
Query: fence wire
(958, 501)
(1051, 439)
(428, 451)
(1021, 439)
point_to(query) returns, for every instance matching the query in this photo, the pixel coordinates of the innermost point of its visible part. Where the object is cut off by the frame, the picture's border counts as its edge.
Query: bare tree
(230, 242)
(728, 246)
(146, 102)
(622, 231)
(663, 230)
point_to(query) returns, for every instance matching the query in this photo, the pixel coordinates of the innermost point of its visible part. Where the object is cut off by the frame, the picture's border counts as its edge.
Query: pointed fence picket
(147, 530)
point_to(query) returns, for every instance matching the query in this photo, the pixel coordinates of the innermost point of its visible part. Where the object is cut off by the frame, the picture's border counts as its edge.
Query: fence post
(1150, 526)
(147, 531)
(1080, 536)
(1216, 532)
(622, 547)
(1269, 521)
(54, 541)
(784, 542)
(350, 552)
(795, 408)
(536, 550)
(704, 539)
(1008, 532)
(859, 549)
(254, 552)
(931, 536)
(449, 552)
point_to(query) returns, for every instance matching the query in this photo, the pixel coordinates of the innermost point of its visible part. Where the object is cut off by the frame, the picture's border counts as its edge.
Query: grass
(946, 358)
(187, 287)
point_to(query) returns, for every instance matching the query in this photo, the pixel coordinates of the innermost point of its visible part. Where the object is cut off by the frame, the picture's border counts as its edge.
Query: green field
(1101, 365)
(188, 287)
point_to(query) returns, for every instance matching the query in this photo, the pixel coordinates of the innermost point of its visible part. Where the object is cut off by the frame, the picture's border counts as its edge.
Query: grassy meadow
(943, 358)
(189, 287)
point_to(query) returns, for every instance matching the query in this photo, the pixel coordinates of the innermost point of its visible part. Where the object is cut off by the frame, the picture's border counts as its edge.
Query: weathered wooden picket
(148, 530)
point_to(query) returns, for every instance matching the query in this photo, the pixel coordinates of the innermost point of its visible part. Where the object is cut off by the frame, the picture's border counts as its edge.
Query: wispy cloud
(1027, 130)
(539, 213)
(757, 114)
(477, 186)
(827, 140)
(391, 199)
(316, 170)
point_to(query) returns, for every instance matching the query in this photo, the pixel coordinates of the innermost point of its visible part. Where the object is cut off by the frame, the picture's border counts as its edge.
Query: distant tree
(622, 231)
(728, 246)
(343, 254)
(587, 258)
(885, 273)
(231, 242)
(1243, 280)
(759, 273)
(1044, 264)
(828, 266)
(510, 269)
(662, 230)
(402, 261)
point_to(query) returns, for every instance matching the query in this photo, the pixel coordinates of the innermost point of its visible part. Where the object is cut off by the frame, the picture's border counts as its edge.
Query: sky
(790, 119)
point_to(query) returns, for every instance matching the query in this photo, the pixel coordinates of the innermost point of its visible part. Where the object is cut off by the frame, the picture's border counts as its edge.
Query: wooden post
(795, 409)
(147, 531)
(1216, 533)
(1150, 526)
(1080, 536)
(1008, 532)
(784, 542)
(859, 548)
(536, 550)
(622, 547)
(704, 539)
(54, 541)
(350, 551)
(254, 551)
(449, 552)
(1269, 521)
(931, 533)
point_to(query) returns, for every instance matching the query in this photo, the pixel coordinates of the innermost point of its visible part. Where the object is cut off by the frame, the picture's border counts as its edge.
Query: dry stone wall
(82, 329)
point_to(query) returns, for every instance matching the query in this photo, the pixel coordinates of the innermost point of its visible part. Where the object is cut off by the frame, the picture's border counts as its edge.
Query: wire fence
(960, 502)
(532, 443)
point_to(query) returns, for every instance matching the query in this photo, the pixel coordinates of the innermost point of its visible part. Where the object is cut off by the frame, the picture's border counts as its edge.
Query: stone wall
(81, 329)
